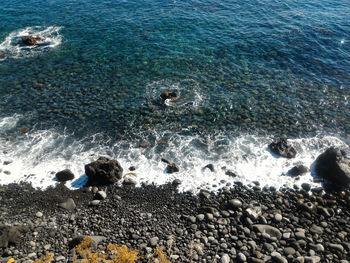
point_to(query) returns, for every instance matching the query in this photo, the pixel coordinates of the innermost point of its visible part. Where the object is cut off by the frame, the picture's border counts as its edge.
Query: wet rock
(24, 129)
(64, 175)
(2, 55)
(165, 160)
(31, 40)
(210, 167)
(69, 204)
(132, 168)
(333, 166)
(169, 95)
(306, 186)
(283, 148)
(176, 182)
(230, 173)
(298, 170)
(103, 172)
(172, 168)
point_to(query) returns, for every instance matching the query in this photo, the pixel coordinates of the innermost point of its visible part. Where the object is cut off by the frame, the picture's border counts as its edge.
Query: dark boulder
(2, 55)
(169, 95)
(298, 170)
(31, 40)
(172, 168)
(10, 235)
(333, 166)
(165, 160)
(283, 148)
(230, 173)
(210, 167)
(103, 172)
(65, 175)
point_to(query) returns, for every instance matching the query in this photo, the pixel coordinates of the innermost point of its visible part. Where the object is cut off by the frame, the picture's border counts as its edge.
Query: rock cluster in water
(31, 40)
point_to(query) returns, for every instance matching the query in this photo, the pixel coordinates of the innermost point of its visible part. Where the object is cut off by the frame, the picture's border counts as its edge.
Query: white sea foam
(12, 46)
(38, 155)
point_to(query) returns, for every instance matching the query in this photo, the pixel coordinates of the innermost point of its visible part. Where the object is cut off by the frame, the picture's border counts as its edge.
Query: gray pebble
(225, 258)
(154, 241)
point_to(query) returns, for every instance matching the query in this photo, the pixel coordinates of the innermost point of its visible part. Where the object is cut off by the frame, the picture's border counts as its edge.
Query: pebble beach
(238, 224)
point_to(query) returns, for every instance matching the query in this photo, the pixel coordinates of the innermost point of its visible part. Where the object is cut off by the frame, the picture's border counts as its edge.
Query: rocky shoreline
(238, 224)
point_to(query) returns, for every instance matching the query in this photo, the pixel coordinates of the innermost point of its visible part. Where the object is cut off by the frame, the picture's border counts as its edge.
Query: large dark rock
(64, 175)
(31, 40)
(283, 148)
(298, 170)
(2, 55)
(333, 166)
(10, 235)
(103, 172)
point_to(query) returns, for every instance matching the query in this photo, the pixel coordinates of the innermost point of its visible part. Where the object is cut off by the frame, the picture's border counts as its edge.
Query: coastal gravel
(236, 224)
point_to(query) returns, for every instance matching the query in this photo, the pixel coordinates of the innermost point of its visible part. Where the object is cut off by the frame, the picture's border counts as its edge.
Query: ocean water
(247, 72)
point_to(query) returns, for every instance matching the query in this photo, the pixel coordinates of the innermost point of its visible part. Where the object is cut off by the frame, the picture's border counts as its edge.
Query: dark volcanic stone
(298, 170)
(103, 172)
(283, 148)
(169, 95)
(210, 167)
(333, 166)
(172, 168)
(31, 40)
(65, 175)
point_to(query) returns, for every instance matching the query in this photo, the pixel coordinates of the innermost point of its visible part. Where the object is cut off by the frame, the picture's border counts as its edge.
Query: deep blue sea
(246, 72)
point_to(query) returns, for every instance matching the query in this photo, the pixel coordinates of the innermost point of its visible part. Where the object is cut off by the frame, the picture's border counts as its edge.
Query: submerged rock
(210, 167)
(172, 96)
(333, 166)
(31, 40)
(103, 172)
(283, 148)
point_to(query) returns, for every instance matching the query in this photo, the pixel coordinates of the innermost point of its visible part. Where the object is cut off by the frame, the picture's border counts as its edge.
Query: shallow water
(246, 72)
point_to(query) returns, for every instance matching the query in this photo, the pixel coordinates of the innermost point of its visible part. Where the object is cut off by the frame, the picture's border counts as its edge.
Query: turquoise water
(276, 67)
(263, 68)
